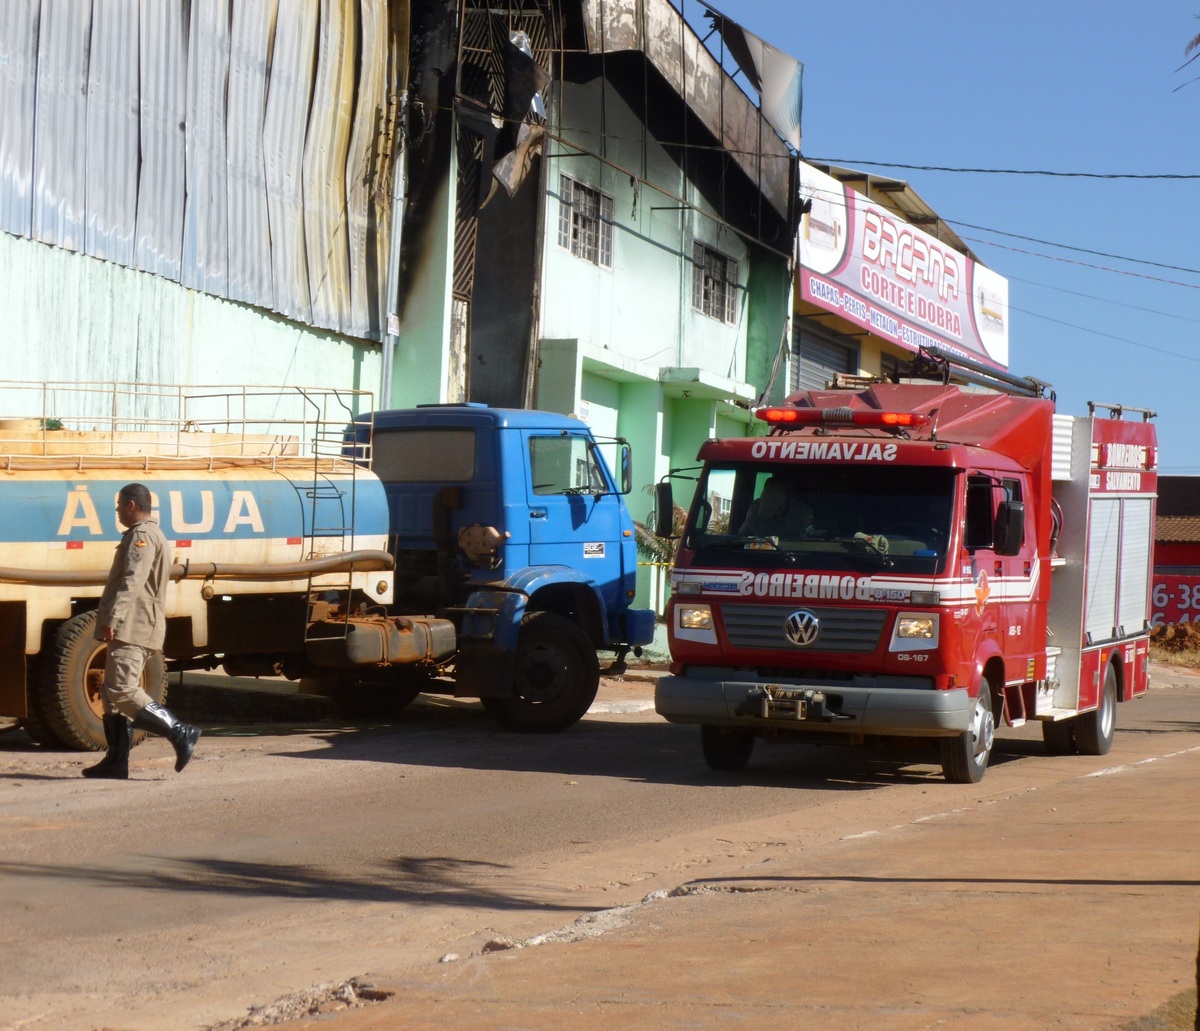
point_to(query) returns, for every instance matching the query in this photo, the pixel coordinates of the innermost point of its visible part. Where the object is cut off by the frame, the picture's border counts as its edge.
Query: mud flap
(483, 671)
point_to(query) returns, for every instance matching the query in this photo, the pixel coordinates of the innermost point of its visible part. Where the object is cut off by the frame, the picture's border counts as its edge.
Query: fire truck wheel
(726, 748)
(1059, 737)
(555, 676)
(965, 757)
(1094, 730)
(70, 702)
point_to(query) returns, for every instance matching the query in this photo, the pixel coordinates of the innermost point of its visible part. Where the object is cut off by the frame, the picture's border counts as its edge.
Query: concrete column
(559, 376)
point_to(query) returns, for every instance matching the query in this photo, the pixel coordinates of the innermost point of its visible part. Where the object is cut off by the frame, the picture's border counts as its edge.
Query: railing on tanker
(81, 422)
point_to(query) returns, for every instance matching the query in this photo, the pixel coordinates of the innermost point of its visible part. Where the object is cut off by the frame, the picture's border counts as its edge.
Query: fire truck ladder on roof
(337, 456)
(935, 363)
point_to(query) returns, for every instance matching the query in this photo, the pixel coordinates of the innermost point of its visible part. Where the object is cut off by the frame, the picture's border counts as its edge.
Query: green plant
(659, 549)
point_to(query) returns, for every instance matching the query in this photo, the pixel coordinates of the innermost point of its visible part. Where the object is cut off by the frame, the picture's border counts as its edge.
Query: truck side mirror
(1010, 528)
(625, 465)
(664, 510)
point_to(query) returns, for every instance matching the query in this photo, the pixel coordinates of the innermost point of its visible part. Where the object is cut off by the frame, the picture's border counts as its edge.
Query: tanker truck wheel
(32, 722)
(376, 696)
(965, 757)
(34, 726)
(555, 676)
(70, 703)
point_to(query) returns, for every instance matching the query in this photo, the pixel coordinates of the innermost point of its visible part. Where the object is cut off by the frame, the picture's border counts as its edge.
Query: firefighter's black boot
(119, 738)
(158, 720)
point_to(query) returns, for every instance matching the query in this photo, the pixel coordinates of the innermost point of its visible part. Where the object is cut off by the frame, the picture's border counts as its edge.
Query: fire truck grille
(840, 630)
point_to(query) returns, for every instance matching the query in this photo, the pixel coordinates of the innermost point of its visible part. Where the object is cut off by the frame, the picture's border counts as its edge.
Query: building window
(714, 283)
(585, 222)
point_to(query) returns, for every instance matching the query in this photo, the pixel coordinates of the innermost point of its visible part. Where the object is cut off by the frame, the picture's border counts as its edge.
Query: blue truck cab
(511, 525)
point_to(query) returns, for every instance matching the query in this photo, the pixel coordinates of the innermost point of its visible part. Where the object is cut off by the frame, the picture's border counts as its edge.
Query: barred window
(585, 222)
(714, 283)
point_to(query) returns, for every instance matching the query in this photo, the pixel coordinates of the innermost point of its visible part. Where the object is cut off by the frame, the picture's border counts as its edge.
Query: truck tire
(965, 757)
(32, 722)
(726, 748)
(70, 703)
(35, 727)
(555, 676)
(1059, 737)
(1094, 731)
(378, 696)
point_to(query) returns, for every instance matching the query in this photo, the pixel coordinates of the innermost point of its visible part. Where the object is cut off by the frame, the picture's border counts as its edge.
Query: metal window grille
(714, 283)
(585, 221)
(731, 291)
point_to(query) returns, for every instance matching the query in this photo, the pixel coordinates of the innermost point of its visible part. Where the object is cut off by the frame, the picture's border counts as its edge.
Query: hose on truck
(365, 561)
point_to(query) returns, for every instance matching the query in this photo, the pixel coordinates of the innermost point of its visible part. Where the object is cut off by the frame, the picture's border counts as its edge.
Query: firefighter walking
(131, 620)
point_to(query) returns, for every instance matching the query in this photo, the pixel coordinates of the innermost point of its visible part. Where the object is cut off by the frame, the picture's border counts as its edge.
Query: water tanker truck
(292, 557)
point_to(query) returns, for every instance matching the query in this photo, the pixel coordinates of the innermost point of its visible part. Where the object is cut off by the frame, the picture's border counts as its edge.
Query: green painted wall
(641, 423)
(770, 297)
(641, 308)
(70, 317)
(421, 364)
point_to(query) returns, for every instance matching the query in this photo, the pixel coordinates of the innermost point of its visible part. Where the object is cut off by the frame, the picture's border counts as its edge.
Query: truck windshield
(837, 517)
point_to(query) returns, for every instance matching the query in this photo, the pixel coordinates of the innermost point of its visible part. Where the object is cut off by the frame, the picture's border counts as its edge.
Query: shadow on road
(644, 751)
(406, 879)
(441, 732)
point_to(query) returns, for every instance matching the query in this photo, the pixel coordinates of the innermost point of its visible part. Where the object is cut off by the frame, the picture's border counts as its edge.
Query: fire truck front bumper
(870, 709)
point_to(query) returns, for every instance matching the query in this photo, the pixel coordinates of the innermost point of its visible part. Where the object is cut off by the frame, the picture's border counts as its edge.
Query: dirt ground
(402, 873)
(1176, 639)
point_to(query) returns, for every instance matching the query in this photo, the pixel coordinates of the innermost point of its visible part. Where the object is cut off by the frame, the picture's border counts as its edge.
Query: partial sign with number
(1176, 599)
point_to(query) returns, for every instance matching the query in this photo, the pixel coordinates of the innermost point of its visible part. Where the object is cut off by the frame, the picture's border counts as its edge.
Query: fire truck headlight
(917, 626)
(695, 623)
(915, 631)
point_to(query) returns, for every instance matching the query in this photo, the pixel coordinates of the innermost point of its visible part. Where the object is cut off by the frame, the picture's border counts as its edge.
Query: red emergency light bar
(842, 417)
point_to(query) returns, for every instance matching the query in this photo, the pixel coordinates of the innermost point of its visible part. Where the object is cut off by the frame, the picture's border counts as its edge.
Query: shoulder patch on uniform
(139, 543)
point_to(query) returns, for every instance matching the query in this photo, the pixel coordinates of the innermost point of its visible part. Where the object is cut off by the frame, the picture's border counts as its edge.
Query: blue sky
(1055, 85)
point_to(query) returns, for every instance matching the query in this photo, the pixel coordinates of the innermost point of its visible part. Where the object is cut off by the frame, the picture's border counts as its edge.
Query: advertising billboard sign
(896, 281)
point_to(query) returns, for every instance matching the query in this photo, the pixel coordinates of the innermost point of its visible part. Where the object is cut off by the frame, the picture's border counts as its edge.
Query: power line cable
(1069, 247)
(1108, 336)
(1003, 171)
(1052, 243)
(1084, 264)
(1103, 300)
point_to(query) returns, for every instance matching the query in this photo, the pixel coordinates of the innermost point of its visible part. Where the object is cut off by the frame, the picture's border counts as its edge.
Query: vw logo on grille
(802, 628)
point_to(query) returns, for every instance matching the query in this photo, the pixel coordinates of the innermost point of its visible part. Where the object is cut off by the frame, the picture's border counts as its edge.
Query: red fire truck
(915, 560)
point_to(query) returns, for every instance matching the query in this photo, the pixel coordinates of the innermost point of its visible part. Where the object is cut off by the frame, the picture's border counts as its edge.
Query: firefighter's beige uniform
(134, 605)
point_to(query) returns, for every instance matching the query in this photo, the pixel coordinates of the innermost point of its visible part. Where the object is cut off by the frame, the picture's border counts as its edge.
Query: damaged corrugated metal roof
(237, 148)
(659, 30)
